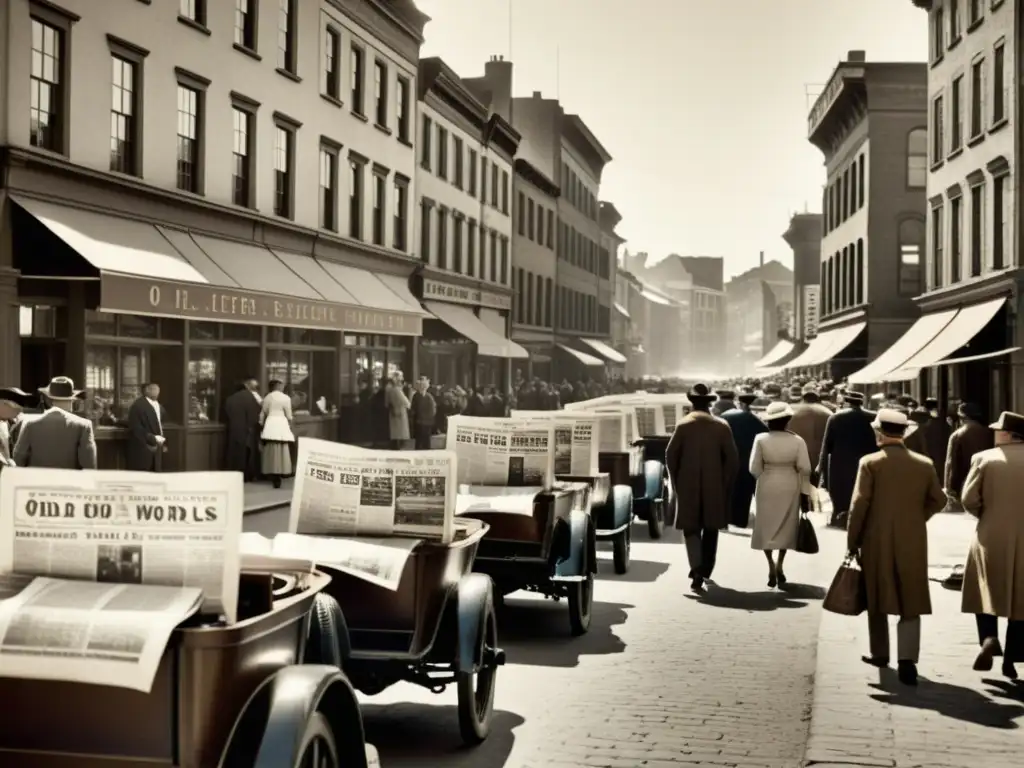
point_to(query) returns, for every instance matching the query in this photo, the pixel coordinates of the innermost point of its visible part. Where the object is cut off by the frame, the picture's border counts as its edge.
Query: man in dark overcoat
(971, 437)
(849, 436)
(242, 414)
(745, 426)
(935, 432)
(146, 441)
(726, 401)
(702, 464)
(809, 420)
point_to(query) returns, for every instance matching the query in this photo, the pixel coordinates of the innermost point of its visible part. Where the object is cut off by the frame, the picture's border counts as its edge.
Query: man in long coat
(896, 493)
(702, 464)
(745, 426)
(848, 438)
(971, 437)
(242, 417)
(993, 585)
(726, 402)
(809, 420)
(935, 432)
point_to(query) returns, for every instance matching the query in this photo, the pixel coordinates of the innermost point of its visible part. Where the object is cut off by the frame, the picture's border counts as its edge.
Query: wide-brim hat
(699, 393)
(1009, 422)
(725, 394)
(895, 420)
(61, 388)
(17, 396)
(852, 396)
(747, 397)
(777, 411)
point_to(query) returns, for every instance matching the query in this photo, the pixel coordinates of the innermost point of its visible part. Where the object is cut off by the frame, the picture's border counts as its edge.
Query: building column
(10, 336)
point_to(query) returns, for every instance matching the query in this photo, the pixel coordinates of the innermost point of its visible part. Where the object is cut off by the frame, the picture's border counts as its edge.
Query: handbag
(847, 594)
(806, 537)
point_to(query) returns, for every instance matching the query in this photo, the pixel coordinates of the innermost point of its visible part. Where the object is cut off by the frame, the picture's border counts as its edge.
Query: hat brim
(776, 416)
(911, 427)
(75, 394)
(17, 396)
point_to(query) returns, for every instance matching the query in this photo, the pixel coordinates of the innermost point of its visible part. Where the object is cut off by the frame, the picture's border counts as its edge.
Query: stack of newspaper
(656, 414)
(100, 567)
(516, 452)
(577, 439)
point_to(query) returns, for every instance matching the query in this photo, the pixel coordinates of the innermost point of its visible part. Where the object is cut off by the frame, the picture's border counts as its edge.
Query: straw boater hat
(700, 394)
(893, 423)
(61, 388)
(1009, 422)
(777, 411)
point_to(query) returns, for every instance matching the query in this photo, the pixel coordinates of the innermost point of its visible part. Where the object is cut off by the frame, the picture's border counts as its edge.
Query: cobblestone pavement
(661, 680)
(956, 718)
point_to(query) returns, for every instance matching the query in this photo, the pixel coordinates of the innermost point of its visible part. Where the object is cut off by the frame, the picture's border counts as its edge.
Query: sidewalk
(956, 718)
(262, 496)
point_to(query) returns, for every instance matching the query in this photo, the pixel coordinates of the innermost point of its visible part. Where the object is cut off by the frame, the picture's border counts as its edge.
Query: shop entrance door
(41, 360)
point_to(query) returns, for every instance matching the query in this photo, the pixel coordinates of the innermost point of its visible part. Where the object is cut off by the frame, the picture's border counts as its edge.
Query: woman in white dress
(276, 433)
(780, 463)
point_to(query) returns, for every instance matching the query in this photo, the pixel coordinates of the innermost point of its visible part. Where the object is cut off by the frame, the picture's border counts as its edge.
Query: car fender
(622, 504)
(581, 555)
(475, 592)
(269, 731)
(654, 480)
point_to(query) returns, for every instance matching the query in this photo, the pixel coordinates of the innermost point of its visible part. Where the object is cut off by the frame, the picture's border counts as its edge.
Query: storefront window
(202, 385)
(308, 377)
(38, 321)
(100, 324)
(137, 327)
(114, 377)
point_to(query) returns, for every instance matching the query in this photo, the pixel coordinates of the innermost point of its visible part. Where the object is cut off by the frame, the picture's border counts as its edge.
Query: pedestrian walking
(935, 432)
(993, 585)
(57, 439)
(726, 402)
(423, 410)
(242, 417)
(848, 438)
(895, 494)
(745, 426)
(782, 468)
(810, 418)
(12, 402)
(398, 414)
(971, 437)
(702, 465)
(146, 441)
(276, 436)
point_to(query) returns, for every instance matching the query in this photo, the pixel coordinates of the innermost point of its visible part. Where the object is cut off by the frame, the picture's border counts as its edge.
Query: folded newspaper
(260, 556)
(171, 529)
(343, 490)
(89, 632)
(514, 501)
(618, 426)
(516, 452)
(577, 439)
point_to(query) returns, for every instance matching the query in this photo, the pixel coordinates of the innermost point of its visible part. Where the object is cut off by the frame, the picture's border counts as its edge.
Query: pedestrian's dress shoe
(875, 661)
(907, 672)
(1009, 670)
(989, 650)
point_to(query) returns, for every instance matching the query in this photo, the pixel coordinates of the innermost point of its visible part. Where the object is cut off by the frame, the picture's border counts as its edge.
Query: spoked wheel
(476, 691)
(318, 749)
(656, 518)
(581, 603)
(620, 550)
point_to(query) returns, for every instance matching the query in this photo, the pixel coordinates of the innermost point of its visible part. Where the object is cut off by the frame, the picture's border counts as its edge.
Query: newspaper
(618, 429)
(173, 529)
(673, 407)
(89, 632)
(260, 556)
(379, 561)
(506, 452)
(514, 501)
(577, 440)
(343, 490)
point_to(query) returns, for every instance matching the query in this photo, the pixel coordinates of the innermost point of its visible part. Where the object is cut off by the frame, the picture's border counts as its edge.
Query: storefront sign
(829, 96)
(436, 290)
(164, 298)
(810, 318)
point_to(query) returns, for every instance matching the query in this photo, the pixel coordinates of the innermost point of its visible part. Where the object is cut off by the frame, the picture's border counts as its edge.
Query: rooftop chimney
(762, 258)
(537, 95)
(498, 76)
(858, 57)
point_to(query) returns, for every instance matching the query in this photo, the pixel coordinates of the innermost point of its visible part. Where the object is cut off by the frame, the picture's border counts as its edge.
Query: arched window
(911, 240)
(917, 158)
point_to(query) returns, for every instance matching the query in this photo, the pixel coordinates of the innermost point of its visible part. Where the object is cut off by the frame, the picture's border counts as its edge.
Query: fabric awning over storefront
(921, 333)
(621, 310)
(495, 321)
(608, 353)
(156, 270)
(465, 323)
(775, 354)
(583, 357)
(964, 326)
(657, 298)
(827, 345)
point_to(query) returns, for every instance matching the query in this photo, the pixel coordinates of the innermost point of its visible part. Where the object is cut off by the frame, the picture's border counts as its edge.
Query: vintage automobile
(437, 629)
(539, 542)
(235, 696)
(611, 507)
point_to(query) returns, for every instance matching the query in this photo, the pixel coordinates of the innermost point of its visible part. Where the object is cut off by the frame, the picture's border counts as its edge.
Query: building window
(911, 239)
(471, 174)
(493, 260)
(459, 170)
(1000, 222)
(494, 185)
(954, 21)
(504, 192)
(329, 188)
(861, 185)
(955, 234)
(425, 211)
(286, 36)
(245, 24)
(380, 196)
(123, 126)
(938, 237)
(380, 92)
(402, 109)
(975, 11)
(503, 262)
(242, 154)
(977, 229)
(548, 301)
(861, 278)
(357, 172)
(977, 98)
(938, 33)
(540, 225)
(442, 237)
(956, 129)
(358, 75)
(483, 179)
(189, 106)
(999, 83)
(457, 225)
(551, 229)
(193, 10)
(917, 158)
(284, 163)
(521, 213)
(853, 188)
(401, 214)
(938, 128)
(471, 248)
(47, 109)
(442, 152)
(425, 143)
(529, 219)
(332, 63)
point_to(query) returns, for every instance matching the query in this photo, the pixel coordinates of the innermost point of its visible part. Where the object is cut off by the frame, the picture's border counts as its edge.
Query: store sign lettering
(122, 293)
(461, 294)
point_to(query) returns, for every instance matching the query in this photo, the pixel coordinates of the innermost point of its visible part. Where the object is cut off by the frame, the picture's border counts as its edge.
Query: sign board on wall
(438, 290)
(810, 315)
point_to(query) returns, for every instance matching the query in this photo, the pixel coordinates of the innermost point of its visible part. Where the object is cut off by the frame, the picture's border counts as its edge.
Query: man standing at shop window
(424, 414)
(146, 442)
(242, 414)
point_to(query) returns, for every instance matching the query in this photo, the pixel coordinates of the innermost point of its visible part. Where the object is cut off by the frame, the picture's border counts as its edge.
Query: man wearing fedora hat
(12, 402)
(848, 438)
(971, 437)
(745, 426)
(896, 492)
(726, 401)
(702, 463)
(809, 421)
(58, 439)
(993, 582)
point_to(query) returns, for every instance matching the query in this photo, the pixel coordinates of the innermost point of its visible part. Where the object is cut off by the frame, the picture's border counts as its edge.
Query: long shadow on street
(640, 571)
(536, 632)
(953, 701)
(427, 736)
(718, 596)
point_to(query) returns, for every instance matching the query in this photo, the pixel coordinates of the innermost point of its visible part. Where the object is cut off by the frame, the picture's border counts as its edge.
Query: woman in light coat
(398, 414)
(780, 463)
(994, 577)
(276, 433)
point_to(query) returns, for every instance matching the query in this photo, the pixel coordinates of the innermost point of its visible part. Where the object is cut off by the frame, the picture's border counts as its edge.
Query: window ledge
(248, 52)
(998, 124)
(360, 116)
(937, 60)
(975, 24)
(955, 153)
(332, 99)
(954, 42)
(194, 24)
(936, 164)
(290, 75)
(976, 139)
(382, 128)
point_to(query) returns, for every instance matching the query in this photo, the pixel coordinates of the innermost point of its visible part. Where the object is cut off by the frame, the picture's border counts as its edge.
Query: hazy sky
(701, 103)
